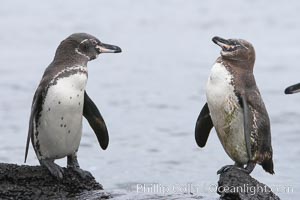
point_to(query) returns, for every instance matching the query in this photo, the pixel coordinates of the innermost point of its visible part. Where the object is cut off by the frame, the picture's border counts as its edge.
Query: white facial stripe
(83, 41)
(244, 46)
(80, 53)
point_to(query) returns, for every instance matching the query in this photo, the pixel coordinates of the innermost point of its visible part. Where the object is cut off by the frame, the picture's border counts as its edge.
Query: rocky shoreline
(35, 182)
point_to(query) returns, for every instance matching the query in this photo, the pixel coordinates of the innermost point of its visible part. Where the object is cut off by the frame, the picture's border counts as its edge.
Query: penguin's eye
(85, 45)
(94, 42)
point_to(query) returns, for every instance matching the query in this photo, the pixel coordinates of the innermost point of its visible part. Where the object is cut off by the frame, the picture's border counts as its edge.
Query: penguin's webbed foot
(225, 169)
(53, 168)
(74, 165)
(82, 173)
(248, 169)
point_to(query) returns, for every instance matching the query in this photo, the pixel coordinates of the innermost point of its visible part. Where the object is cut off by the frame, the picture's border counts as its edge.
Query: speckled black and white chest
(59, 126)
(226, 113)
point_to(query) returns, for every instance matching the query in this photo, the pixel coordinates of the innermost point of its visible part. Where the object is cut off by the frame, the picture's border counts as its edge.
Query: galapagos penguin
(235, 109)
(60, 102)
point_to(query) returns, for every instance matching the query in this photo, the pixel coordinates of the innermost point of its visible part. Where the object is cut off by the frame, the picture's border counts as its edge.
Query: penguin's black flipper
(37, 99)
(292, 89)
(260, 130)
(203, 126)
(30, 130)
(92, 114)
(247, 127)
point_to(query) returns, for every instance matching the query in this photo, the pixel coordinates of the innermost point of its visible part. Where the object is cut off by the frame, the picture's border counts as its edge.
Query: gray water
(151, 94)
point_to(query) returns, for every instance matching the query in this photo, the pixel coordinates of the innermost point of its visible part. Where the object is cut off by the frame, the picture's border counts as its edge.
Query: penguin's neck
(69, 61)
(240, 72)
(237, 65)
(70, 56)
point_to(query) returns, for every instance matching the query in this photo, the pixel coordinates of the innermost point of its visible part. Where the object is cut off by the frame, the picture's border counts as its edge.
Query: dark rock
(35, 182)
(235, 184)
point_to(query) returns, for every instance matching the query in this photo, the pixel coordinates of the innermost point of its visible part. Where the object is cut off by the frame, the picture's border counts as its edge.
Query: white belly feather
(60, 124)
(226, 113)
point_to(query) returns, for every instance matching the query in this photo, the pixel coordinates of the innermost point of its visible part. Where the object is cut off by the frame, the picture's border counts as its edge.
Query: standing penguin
(235, 108)
(60, 101)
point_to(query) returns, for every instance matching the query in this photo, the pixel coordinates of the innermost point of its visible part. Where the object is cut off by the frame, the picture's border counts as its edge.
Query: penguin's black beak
(226, 45)
(292, 89)
(108, 48)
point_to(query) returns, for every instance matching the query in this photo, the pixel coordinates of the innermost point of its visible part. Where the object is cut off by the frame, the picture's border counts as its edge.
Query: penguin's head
(236, 49)
(87, 46)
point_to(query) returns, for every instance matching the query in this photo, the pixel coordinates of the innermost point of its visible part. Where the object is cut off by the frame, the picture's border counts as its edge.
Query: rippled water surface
(150, 95)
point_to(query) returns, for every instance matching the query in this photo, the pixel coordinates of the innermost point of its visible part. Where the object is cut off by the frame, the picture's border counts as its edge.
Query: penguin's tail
(268, 166)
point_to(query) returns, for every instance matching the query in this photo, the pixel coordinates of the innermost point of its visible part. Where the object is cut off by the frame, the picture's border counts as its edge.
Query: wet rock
(235, 184)
(35, 182)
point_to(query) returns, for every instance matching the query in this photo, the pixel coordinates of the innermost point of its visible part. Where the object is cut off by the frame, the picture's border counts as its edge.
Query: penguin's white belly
(59, 127)
(226, 113)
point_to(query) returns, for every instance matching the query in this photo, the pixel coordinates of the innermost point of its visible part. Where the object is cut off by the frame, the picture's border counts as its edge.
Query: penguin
(61, 101)
(235, 109)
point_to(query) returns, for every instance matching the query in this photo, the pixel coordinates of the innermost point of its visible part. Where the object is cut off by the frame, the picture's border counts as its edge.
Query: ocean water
(151, 94)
